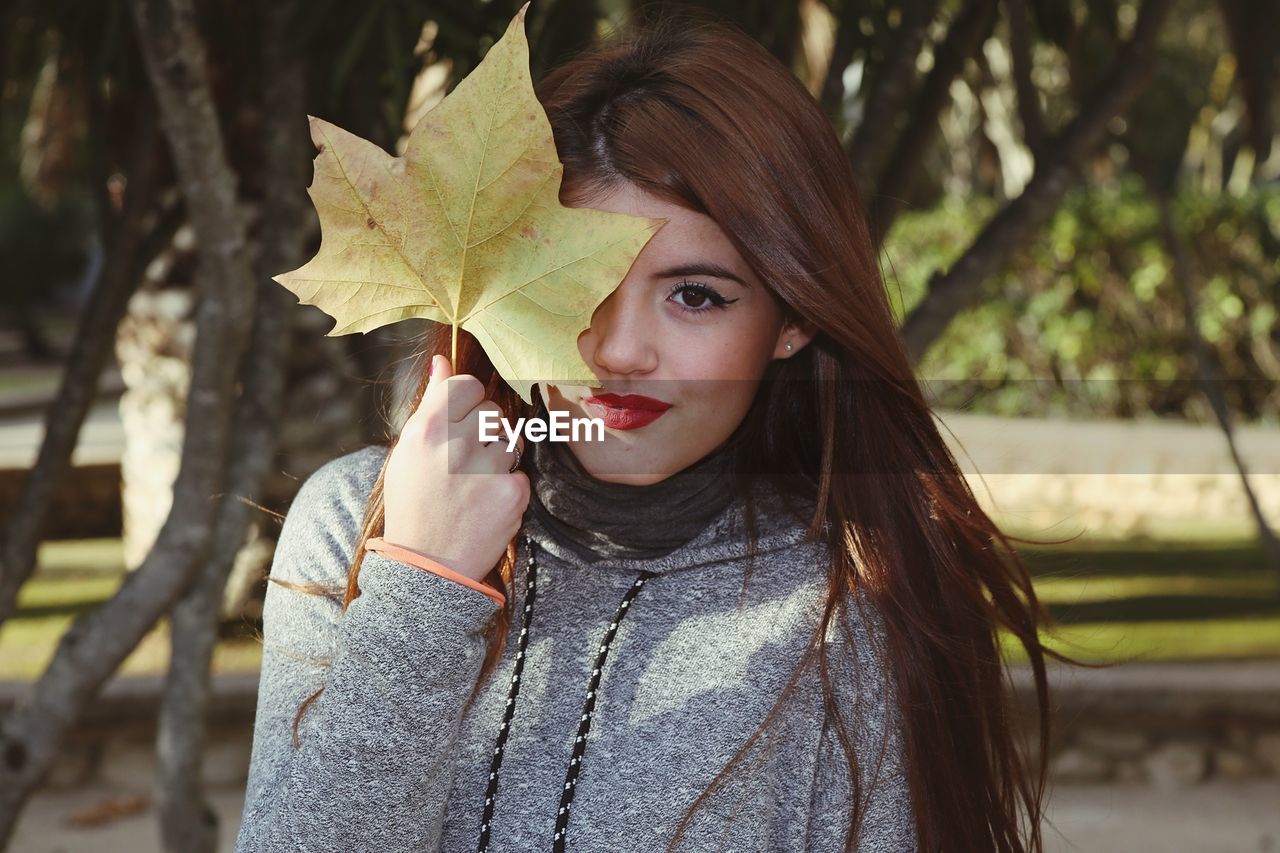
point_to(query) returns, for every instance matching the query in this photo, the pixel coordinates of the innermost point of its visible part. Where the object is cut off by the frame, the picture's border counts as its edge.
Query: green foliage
(1087, 320)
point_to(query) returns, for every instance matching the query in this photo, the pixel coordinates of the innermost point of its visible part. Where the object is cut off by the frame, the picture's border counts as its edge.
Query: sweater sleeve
(873, 720)
(427, 564)
(374, 764)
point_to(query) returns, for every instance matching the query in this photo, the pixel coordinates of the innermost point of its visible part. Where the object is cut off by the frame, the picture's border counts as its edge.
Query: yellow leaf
(467, 229)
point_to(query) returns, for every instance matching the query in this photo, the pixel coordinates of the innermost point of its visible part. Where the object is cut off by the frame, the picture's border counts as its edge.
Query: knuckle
(465, 383)
(464, 392)
(520, 489)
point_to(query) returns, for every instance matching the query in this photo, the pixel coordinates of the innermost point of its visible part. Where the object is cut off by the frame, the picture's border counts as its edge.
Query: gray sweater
(624, 687)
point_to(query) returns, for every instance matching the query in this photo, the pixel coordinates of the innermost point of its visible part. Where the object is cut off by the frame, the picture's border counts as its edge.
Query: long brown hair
(694, 111)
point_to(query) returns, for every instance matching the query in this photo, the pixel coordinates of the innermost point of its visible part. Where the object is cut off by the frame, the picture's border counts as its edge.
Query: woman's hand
(446, 495)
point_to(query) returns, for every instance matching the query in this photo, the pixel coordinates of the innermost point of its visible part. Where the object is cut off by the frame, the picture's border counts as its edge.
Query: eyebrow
(707, 268)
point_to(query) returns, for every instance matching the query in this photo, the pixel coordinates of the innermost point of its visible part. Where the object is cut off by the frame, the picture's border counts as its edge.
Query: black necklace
(584, 726)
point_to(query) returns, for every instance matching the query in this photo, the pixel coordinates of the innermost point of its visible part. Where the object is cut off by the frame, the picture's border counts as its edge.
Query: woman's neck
(598, 519)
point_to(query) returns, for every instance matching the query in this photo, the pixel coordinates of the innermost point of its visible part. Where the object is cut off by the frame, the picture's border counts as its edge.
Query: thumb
(440, 370)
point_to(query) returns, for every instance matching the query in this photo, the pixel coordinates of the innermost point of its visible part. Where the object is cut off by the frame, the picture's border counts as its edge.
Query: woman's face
(690, 326)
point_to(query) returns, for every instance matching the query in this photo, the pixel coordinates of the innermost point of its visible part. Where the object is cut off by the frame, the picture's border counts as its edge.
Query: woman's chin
(613, 462)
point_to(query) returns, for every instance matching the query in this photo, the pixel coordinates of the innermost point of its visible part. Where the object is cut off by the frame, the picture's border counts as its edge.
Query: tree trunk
(187, 823)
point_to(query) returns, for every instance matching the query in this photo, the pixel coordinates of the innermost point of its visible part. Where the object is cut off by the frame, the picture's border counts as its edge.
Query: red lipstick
(627, 411)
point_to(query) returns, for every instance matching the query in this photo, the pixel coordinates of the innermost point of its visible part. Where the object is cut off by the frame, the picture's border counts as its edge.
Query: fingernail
(431, 367)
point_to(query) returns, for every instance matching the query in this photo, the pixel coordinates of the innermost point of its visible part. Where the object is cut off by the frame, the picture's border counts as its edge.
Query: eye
(698, 297)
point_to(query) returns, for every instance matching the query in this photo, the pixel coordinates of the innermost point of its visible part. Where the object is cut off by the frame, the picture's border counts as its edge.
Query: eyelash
(716, 299)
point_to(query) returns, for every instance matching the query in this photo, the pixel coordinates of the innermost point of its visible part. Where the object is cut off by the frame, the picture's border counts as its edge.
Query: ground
(1218, 817)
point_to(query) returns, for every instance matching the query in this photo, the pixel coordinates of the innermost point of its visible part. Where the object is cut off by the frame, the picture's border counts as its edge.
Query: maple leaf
(466, 228)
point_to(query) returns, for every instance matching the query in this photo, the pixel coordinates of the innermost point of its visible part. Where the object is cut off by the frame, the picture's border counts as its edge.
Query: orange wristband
(421, 561)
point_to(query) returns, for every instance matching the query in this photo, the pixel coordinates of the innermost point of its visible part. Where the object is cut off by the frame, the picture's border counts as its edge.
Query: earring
(787, 347)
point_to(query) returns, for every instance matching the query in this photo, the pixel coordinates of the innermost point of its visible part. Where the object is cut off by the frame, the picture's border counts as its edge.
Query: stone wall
(1123, 478)
(1167, 725)
(1166, 756)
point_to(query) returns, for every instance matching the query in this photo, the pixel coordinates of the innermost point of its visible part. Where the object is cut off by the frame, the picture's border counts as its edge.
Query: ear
(797, 333)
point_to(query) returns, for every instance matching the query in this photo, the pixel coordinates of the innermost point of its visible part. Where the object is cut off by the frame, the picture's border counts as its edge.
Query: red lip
(629, 401)
(626, 411)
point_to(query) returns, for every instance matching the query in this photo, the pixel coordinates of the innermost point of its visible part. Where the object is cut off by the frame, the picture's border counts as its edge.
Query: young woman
(764, 618)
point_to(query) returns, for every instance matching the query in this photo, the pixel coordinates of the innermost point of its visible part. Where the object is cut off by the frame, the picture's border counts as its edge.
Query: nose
(620, 341)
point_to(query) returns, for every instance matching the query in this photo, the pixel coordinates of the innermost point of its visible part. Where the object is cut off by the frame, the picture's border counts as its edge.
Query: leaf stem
(453, 352)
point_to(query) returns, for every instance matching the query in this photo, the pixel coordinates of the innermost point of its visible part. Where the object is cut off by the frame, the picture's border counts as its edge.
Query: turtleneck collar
(596, 519)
